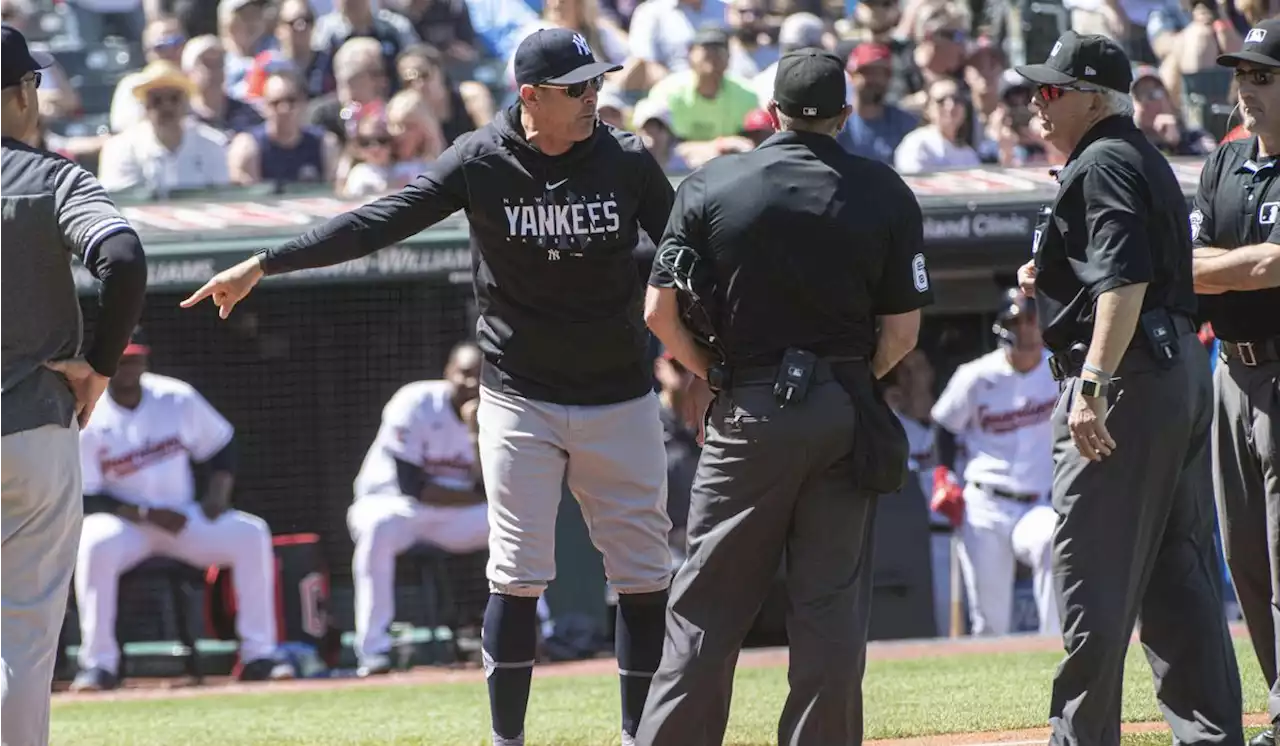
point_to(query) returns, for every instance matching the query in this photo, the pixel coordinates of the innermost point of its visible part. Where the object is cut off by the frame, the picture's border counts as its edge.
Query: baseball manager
(1112, 281)
(1236, 230)
(52, 209)
(555, 200)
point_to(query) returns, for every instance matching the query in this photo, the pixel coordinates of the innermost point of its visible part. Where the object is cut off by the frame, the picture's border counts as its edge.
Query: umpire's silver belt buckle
(1247, 356)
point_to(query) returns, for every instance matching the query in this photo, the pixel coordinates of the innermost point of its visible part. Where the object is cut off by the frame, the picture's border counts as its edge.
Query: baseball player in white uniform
(1000, 405)
(420, 482)
(141, 500)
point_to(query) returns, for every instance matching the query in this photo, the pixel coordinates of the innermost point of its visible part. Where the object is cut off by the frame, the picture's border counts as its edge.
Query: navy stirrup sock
(638, 641)
(509, 642)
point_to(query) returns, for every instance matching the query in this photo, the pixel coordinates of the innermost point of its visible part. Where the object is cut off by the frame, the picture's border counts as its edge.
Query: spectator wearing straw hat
(168, 150)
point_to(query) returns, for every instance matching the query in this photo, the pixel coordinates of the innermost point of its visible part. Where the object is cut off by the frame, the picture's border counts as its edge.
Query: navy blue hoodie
(551, 244)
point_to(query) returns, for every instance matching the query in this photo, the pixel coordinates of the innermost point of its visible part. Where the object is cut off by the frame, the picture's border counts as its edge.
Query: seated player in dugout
(419, 483)
(141, 500)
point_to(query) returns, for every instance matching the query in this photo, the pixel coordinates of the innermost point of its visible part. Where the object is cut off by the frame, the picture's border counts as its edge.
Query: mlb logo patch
(1057, 47)
(810, 111)
(1268, 213)
(1255, 36)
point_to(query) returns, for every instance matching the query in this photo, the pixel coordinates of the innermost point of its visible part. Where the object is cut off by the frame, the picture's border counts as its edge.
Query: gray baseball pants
(1135, 541)
(42, 511)
(772, 483)
(614, 461)
(1246, 447)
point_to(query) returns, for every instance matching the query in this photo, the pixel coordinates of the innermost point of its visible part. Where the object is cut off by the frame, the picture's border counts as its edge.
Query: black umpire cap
(810, 83)
(1261, 46)
(557, 56)
(17, 59)
(1091, 59)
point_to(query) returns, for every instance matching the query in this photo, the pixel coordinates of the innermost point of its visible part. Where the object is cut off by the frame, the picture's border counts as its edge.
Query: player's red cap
(137, 344)
(868, 53)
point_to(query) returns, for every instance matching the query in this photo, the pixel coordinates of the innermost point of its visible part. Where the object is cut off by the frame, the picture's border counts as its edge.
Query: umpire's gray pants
(1135, 541)
(770, 481)
(1246, 446)
(42, 511)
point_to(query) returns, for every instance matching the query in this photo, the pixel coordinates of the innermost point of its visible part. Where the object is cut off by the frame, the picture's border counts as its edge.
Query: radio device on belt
(792, 383)
(1158, 329)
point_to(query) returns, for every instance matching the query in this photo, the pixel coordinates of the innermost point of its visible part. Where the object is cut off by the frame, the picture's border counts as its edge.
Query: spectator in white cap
(204, 62)
(798, 30)
(652, 122)
(168, 150)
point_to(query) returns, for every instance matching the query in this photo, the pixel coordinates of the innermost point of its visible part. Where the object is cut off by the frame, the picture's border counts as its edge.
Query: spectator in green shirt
(707, 106)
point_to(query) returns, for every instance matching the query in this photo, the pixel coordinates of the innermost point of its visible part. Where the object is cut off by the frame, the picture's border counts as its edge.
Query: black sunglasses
(578, 90)
(366, 142)
(1255, 77)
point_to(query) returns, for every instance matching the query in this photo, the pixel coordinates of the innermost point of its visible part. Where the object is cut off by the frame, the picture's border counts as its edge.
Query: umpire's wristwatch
(1093, 389)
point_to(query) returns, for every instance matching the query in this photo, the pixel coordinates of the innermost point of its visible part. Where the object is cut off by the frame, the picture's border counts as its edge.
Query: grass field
(957, 693)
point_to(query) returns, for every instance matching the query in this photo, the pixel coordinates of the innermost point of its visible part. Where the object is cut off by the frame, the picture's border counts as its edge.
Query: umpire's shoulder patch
(918, 274)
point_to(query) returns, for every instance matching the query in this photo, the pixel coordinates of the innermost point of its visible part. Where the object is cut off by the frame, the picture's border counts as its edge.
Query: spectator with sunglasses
(943, 143)
(1236, 230)
(168, 150)
(555, 201)
(1112, 280)
(1158, 117)
(283, 150)
(163, 39)
(295, 23)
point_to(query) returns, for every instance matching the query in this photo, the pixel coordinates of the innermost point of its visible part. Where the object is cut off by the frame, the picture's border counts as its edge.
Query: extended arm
(1254, 267)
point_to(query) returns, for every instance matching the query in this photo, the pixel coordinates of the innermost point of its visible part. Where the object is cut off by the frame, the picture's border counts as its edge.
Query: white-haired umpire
(52, 209)
(1111, 276)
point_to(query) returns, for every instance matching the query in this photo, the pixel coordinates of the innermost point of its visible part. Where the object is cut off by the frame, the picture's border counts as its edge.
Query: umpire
(52, 209)
(1235, 228)
(1112, 280)
(796, 352)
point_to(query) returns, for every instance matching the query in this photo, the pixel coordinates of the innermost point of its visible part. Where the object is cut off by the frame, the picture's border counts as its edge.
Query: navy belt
(1021, 497)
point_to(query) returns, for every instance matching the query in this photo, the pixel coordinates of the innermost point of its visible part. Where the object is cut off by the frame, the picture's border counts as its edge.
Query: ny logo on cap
(1255, 35)
(580, 42)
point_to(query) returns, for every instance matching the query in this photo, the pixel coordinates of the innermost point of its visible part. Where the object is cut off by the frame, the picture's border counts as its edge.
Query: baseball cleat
(94, 680)
(374, 665)
(1265, 738)
(267, 669)
(500, 741)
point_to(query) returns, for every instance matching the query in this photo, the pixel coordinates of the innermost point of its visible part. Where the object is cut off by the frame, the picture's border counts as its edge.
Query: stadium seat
(185, 585)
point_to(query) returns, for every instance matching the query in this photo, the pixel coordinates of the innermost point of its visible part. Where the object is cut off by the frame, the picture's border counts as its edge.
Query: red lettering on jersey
(1032, 413)
(137, 460)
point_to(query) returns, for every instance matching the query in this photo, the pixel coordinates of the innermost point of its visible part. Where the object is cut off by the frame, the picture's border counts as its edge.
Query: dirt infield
(150, 689)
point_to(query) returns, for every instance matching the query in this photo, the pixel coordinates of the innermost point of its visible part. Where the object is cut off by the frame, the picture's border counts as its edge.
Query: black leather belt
(1020, 497)
(1068, 363)
(1251, 354)
(757, 374)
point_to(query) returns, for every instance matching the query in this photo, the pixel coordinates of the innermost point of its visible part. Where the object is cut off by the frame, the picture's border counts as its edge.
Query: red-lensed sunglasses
(1049, 93)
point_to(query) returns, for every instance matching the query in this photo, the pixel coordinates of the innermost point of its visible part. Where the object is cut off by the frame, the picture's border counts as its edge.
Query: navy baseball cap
(557, 56)
(17, 59)
(1091, 58)
(810, 83)
(1261, 46)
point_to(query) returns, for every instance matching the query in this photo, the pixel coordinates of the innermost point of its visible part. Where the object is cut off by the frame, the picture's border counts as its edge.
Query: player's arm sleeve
(657, 197)
(430, 198)
(904, 280)
(205, 432)
(945, 447)
(109, 248)
(410, 477)
(1119, 249)
(953, 411)
(685, 227)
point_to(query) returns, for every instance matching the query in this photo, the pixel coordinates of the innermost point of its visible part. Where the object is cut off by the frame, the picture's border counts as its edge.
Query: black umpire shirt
(807, 243)
(561, 308)
(1120, 218)
(1238, 204)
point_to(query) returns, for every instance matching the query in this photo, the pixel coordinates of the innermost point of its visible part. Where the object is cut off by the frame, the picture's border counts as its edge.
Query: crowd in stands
(160, 96)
